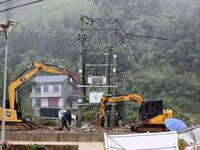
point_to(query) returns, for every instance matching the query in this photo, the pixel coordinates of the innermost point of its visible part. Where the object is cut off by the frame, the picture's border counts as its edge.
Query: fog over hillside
(169, 69)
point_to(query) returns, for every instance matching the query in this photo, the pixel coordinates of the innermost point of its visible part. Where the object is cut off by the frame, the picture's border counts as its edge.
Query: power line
(128, 41)
(112, 7)
(22, 5)
(137, 61)
(5, 1)
(106, 8)
(9, 2)
(149, 37)
(93, 8)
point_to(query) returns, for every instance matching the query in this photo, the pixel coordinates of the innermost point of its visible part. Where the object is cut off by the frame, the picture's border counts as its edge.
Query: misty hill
(167, 69)
(44, 11)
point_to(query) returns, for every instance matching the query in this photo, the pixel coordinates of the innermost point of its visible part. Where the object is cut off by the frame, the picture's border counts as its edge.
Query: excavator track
(17, 126)
(22, 126)
(142, 128)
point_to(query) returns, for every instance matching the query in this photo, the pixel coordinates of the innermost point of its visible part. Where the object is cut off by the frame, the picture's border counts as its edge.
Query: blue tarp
(175, 125)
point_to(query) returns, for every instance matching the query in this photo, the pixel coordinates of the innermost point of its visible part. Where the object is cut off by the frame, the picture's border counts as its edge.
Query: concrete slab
(81, 145)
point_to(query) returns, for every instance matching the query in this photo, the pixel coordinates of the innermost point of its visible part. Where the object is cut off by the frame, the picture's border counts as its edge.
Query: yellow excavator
(13, 114)
(152, 114)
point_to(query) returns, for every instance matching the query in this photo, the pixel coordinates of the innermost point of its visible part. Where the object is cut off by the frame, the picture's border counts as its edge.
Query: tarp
(143, 141)
(175, 124)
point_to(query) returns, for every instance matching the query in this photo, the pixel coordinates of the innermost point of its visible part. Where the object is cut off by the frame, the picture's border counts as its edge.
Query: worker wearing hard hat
(108, 117)
(116, 119)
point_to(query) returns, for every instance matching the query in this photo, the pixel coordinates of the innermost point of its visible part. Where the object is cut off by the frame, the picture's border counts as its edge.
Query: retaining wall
(67, 137)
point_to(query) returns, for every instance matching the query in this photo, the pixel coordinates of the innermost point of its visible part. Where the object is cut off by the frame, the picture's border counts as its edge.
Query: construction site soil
(83, 129)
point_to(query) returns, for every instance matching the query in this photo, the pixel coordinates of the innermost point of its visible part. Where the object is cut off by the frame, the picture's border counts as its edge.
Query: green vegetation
(36, 147)
(48, 32)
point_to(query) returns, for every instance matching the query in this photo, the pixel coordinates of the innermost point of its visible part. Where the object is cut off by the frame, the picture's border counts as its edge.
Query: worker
(96, 119)
(116, 119)
(69, 116)
(102, 122)
(77, 117)
(108, 117)
(64, 121)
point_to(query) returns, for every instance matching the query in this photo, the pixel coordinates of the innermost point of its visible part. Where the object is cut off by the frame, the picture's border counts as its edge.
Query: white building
(52, 93)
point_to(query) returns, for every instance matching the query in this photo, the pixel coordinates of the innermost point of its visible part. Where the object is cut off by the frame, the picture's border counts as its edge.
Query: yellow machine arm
(135, 97)
(33, 69)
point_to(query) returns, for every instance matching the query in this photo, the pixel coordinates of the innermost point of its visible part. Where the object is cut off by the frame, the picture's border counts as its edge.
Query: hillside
(40, 13)
(167, 69)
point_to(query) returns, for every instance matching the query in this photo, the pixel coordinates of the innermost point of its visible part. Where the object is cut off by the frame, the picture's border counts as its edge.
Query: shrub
(88, 116)
(36, 147)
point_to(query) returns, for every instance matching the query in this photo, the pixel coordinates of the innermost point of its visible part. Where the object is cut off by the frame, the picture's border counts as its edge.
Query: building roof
(50, 79)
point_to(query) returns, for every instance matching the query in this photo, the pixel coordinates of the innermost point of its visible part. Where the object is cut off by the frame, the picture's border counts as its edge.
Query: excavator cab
(17, 107)
(151, 108)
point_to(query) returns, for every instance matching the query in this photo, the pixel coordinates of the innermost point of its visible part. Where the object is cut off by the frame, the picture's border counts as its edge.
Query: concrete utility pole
(114, 74)
(6, 28)
(113, 90)
(109, 70)
(82, 68)
(82, 57)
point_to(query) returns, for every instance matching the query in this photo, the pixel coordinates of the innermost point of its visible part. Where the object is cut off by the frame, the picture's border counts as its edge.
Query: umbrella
(175, 124)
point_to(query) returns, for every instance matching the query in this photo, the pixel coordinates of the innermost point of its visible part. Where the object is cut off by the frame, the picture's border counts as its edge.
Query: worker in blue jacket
(66, 118)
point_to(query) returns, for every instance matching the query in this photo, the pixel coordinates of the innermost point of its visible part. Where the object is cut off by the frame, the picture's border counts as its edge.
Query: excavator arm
(33, 69)
(132, 96)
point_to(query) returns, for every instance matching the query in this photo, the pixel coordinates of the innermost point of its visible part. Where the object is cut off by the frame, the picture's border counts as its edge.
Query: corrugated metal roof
(48, 79)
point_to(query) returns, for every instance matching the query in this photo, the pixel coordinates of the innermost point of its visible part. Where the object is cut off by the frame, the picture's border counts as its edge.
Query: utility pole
(114, 75)
(95, 70)
(109, 70)
(82, 68)
(82, 60)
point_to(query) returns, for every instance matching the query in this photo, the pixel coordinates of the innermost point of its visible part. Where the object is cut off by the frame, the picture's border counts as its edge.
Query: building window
(45, 88)
(38, 89)
(55, 88)
(38, 102)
